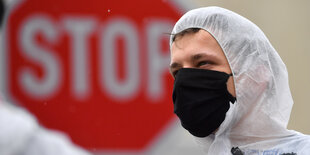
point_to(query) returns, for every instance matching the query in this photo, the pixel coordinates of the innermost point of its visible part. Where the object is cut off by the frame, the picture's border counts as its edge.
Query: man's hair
(184, 32)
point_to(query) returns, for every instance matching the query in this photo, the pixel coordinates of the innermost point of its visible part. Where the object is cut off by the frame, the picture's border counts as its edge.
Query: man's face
(200, 50)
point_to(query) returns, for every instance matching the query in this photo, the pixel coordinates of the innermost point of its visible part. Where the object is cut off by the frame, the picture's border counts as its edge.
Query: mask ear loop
(232, 99)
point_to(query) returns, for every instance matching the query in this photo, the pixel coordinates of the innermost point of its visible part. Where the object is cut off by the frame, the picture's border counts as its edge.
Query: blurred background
(98, 70)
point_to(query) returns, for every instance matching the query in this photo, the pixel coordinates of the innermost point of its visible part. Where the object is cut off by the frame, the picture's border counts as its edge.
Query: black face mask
(201, 99)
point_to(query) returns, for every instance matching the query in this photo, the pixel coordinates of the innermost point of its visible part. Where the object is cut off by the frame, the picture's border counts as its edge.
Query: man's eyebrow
(175, 64)
(199, 56)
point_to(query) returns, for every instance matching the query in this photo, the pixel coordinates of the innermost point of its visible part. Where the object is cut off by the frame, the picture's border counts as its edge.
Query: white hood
(258, 120)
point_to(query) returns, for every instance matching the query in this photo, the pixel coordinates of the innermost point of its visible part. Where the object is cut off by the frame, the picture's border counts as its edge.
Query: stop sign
(97, 70)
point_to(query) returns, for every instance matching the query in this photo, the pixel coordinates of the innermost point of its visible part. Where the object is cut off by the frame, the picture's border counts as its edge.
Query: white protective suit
(257, 122)
(20, 134)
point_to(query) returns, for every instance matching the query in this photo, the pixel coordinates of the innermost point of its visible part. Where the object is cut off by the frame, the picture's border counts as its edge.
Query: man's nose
(188, 66)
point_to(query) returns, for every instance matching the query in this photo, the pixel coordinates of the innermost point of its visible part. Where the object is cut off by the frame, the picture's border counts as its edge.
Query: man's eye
(202, 63)
(175, 73)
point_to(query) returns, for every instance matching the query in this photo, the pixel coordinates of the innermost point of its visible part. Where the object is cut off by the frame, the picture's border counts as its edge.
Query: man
(231, 87)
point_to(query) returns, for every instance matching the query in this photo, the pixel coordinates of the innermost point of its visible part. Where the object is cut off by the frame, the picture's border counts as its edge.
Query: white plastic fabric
(257, 122)
(20, 134)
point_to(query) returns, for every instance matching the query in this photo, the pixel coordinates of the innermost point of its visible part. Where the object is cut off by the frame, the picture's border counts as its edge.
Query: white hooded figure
(256, 123)
(20, 134)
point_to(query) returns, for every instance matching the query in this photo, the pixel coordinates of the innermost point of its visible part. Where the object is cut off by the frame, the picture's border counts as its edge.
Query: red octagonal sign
(97, 70)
